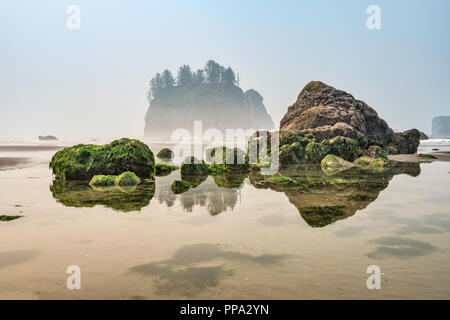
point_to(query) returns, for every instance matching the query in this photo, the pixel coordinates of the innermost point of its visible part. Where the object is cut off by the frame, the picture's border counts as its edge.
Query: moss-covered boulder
(82, 162)
(375, 152)
(226, 159)
(103, 180)
(194, 167)
(6, 218)
(332, 164)
(180, 186)
(371, 164)
(165, 153)
(343, 147)
(127, 179)
(307, 151)
(162, 169)
(292, 153)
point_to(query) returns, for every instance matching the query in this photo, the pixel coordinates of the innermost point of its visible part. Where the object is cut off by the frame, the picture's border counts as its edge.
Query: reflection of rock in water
(196, 267)
(125, 199)
(322, 199)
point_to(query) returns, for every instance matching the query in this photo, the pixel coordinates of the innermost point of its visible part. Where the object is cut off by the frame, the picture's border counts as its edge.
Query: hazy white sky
(94, 81)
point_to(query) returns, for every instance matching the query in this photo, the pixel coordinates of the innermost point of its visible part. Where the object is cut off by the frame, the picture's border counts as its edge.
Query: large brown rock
(325, 112)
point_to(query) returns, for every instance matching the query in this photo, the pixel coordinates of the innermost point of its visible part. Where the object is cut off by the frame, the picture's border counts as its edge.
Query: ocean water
(235, 236)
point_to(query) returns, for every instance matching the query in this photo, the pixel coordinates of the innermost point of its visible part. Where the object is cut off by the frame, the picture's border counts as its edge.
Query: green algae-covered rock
(376, 152)
(307, 151)
(332, 164)
(343, 147)
(290, 137)
(127, 179)
(180, 186)
(376, 165)
(193, 167)
(82, 162)
(226, 159)
(280, 180)
(426, 156)
(292, 153)
(165, 154)
(103, 180)
(6, 218)
(162, 169)
(315, 152)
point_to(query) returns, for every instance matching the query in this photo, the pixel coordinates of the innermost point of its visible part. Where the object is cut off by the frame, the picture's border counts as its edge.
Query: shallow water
(232, 236)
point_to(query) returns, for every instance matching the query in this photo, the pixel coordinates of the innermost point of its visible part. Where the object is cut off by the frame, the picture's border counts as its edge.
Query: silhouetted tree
(184, 76)
(228, 76)
(212, 70)
(156, 84)
(199, 78)
(167, 79)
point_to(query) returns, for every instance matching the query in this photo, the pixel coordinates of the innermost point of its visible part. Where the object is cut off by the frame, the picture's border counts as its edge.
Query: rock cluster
(324, 112)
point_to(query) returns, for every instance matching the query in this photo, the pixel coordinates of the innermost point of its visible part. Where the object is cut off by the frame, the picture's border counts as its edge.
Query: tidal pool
(231, 236)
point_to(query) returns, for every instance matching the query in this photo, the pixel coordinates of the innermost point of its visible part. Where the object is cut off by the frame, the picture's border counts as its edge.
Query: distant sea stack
(325, 112)
(423, 136)
(210, 95)
(440, 127)
(47, 138)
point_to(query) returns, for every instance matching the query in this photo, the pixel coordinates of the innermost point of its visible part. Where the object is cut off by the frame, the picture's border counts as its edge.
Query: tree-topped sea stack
(82, 162)
(211, 95)
(324, 112)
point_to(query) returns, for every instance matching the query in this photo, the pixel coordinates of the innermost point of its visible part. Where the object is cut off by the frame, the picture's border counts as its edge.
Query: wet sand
(30, 148)
(222, 243)
(8, 163)
(415, 158)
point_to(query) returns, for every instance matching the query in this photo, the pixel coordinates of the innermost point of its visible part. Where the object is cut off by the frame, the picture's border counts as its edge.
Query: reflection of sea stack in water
(211, 95)
(440, 127)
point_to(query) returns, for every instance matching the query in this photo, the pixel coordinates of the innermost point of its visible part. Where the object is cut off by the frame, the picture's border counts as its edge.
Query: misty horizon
(93, 82)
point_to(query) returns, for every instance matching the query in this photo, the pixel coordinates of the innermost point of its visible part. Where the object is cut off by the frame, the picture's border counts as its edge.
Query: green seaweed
(426, 156)
(5, 217)
(192, 167)
(162, 169)
(280, 180)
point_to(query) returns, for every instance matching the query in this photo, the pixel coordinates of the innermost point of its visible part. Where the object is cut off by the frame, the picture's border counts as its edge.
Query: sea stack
(324, 112)
(440, 127)
(211, 95)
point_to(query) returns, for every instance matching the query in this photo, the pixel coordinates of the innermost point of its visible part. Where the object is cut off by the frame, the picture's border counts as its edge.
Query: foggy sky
(94, 81)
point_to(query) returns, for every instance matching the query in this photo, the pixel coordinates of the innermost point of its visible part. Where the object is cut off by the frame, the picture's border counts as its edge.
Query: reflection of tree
(217, 194)
(125, 199)
(209, 195)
